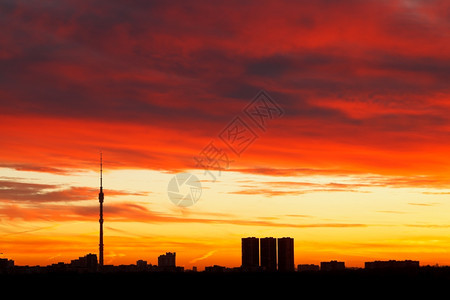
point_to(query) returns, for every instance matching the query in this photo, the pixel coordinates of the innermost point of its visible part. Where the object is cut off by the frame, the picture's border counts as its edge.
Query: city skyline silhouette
(272, 255)
(134, 129)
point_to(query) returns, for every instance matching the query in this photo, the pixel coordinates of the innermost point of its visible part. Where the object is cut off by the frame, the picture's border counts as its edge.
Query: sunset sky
(355, 166)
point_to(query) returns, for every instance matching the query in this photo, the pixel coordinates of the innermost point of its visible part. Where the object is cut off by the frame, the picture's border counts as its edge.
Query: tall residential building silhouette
(250, 253)
(268, 247)
(101, 197)
(286, 254)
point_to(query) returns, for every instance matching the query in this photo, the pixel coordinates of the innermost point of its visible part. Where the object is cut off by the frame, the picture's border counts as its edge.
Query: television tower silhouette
(101, 196)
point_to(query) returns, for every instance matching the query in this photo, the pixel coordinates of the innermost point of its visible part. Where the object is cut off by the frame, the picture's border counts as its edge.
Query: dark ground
(431, 282)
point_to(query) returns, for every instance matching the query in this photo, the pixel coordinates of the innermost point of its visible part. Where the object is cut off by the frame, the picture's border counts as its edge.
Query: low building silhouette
(87, 263)
(333, 265)
(167, 263)
(59, 267)
(167, 260)
(215, 269)
(6, 265)
(391, 264)
(307, 267)
(141, 265)
(193, 270)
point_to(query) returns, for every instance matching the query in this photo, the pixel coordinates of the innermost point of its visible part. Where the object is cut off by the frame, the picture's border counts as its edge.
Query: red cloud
(364, 84)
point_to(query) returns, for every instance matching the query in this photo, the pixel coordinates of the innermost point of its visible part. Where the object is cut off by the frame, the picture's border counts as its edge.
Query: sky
(325, 121)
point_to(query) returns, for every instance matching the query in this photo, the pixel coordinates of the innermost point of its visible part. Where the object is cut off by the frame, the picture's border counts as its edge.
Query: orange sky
(355, 167)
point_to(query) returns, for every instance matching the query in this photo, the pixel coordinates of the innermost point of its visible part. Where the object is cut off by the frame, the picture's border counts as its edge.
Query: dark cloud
(126, 38)
(280, 65)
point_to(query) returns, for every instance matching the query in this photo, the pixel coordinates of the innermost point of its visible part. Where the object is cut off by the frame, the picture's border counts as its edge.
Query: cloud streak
(342, 182)
(203, 257)
(13, 191)
(130, 212)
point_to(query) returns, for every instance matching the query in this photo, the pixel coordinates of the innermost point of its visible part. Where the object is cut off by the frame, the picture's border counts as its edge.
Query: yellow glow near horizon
(383, 222)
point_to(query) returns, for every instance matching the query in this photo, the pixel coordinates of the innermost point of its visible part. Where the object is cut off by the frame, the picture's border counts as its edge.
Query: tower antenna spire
(101, 197)
(101, 171)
